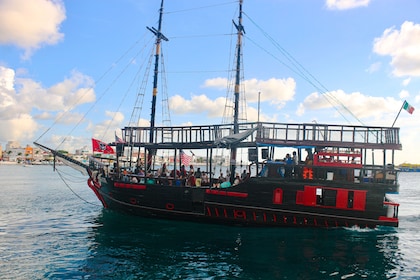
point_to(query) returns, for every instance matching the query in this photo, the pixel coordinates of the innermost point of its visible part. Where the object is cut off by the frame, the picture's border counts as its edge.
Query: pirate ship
(330, 181)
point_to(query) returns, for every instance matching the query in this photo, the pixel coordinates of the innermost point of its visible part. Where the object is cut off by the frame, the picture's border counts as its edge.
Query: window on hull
(332, 198)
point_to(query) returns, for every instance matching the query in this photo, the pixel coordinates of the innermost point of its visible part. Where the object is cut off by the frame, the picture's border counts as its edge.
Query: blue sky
(62, 58)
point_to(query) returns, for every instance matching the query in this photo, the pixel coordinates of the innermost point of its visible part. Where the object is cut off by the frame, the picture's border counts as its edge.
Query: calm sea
(48, 232)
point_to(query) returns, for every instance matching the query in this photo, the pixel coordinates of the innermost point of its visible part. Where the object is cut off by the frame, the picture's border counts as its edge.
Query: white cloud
(31, 24)
(105, 130)
(346, 4)
(197, 104)
(362, 106)
(73, 91)
(20, 97)
(374, 67)
(66, 143)
(403, 94)
(18, 127)
(275, 91)
(7, 77)
(404, 48)
(406, 82)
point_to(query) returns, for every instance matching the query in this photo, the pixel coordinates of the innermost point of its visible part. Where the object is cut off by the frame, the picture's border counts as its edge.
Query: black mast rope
(299, 69)
(102, 77)
(59, 172)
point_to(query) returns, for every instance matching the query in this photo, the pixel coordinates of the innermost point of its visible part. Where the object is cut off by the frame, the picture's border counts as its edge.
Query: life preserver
(170, 206)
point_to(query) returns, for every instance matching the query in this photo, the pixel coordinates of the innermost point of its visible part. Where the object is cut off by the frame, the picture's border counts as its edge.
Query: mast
(240, 30)
(159, 38)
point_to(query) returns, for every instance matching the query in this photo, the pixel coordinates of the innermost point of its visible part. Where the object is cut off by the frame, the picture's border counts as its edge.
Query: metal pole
(398, 114)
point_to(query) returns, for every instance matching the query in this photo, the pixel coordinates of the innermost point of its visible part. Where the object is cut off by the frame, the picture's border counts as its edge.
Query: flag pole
(398, 114)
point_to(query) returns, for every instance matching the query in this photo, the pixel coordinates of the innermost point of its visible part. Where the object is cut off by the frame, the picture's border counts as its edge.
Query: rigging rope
(77, 195)
(102, 77)
(300, 70)
(202, 7)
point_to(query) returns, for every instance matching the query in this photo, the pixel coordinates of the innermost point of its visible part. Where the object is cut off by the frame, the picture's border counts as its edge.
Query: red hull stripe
(95, 186)
(129, 186)
(383, 218)
(226, 193)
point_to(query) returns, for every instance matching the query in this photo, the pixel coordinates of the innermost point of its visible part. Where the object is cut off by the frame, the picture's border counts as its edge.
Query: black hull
(257, 202)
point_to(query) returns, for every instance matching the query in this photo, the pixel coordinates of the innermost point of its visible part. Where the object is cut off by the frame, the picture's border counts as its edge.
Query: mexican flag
(408, 107)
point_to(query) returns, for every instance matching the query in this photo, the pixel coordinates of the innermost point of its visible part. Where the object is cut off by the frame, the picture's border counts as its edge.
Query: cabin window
(332, 198)
(350, 199)
(326, 197)
(319, 197)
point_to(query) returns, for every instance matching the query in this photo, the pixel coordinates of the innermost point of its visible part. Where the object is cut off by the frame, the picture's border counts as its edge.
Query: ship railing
(367, 174)
(330, 135)
(279, 134)
(392, 212)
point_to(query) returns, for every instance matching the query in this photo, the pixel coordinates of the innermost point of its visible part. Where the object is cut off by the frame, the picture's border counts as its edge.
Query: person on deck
(191, 178)
(237, 180)
(295, 164)
(183, 172)
(205, 179)
(163, 171)
(197, 176)
(310, 157)
(288, 168)
(244, 175)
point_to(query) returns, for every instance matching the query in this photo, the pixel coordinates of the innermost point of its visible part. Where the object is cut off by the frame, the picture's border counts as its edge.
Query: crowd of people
(182, 177)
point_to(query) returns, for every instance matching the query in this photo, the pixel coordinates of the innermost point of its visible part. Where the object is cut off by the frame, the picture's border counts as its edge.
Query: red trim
(384, 218)
(94, 187)
(391, 203)
(170, 206)
(226, 193)
(129, 186)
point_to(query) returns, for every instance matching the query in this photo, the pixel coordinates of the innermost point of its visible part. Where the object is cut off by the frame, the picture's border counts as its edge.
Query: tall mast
(159, 38)
(240, 30)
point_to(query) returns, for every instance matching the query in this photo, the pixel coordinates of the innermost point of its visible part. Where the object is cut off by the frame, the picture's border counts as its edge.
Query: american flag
(118, 140)
(185, 159)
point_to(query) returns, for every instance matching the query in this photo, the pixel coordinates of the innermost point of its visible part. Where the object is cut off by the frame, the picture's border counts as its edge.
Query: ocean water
(53, 230)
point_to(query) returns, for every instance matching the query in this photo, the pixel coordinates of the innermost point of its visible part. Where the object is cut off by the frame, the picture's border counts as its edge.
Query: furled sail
(229, 140)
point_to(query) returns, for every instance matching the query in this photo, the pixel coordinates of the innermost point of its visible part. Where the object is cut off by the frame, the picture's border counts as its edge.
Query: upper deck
(263, 133)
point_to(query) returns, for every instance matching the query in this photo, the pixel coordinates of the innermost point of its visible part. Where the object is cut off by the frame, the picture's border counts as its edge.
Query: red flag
(185, 159)
(101, 147)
